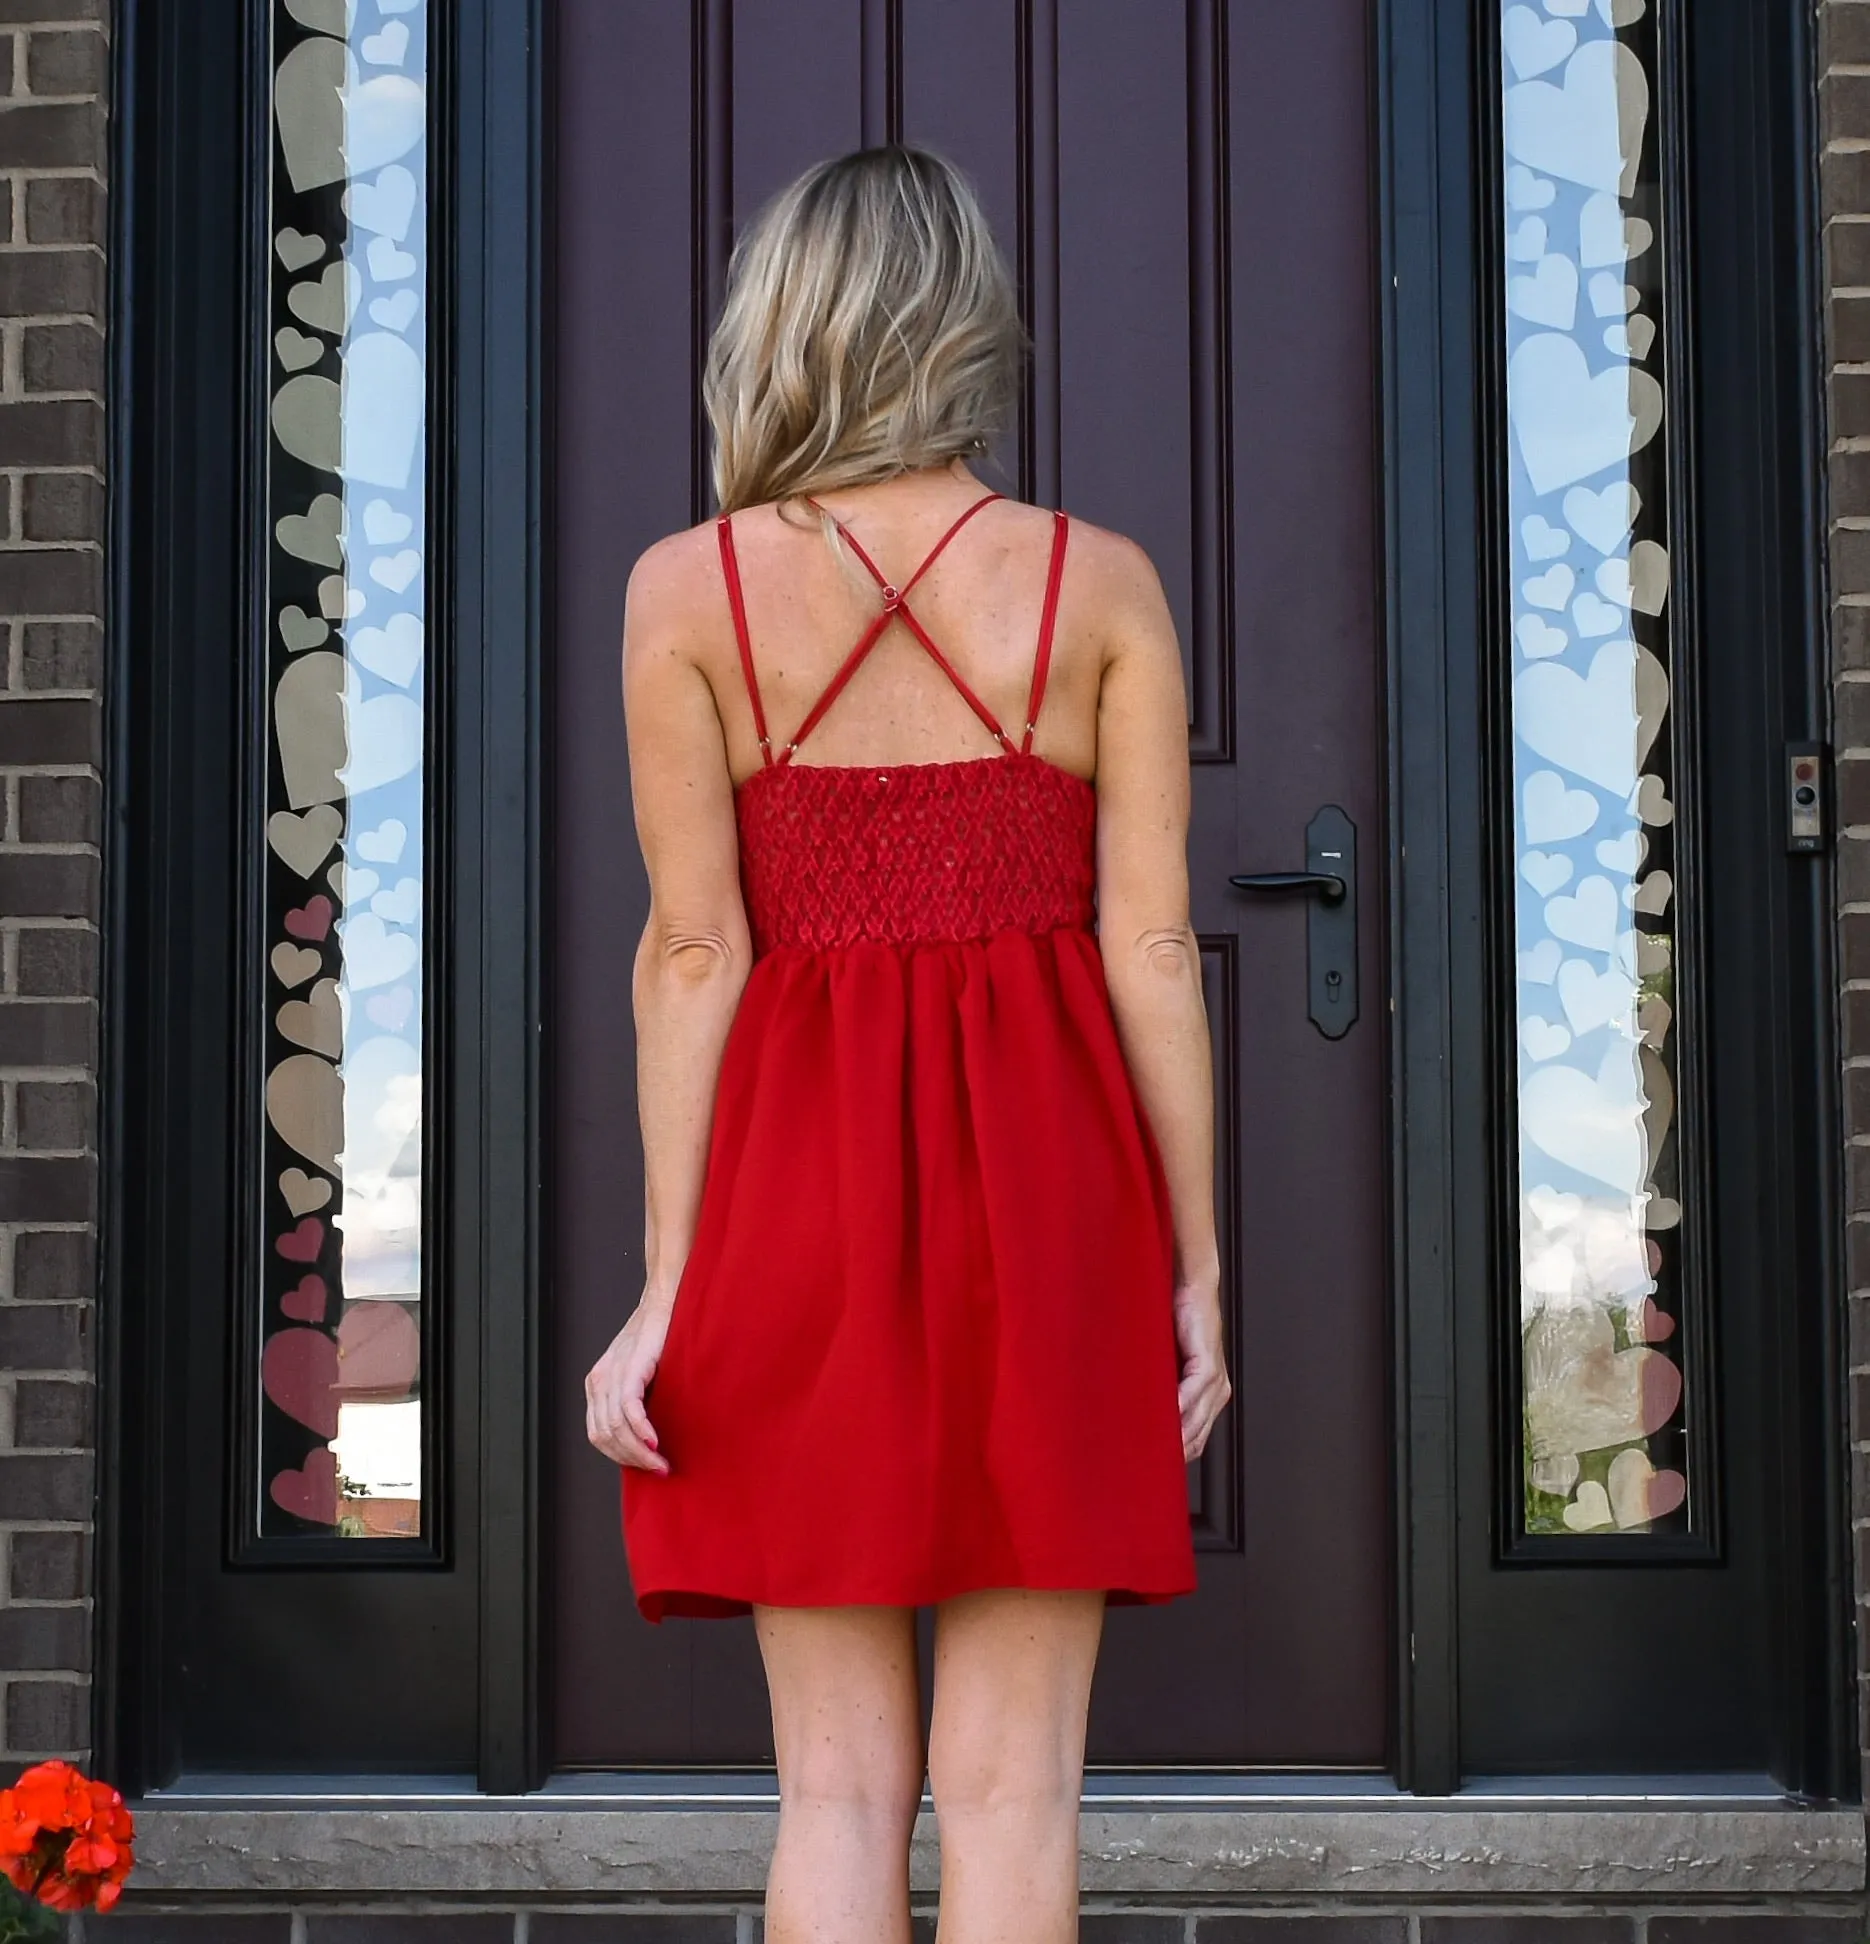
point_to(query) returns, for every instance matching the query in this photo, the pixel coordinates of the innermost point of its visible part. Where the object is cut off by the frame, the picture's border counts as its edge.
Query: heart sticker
(312, 919)
(1623, 855)
(308, 105)
(379, 1349)
(302, 1192)
(1552, 589)
(1540, 965)
(1639, 1493)
(1594, 617)
(384, 845)
(300, 631)
(403, 906)
(1651, 803)
(1541, 539)
(298, 251)
(304, 842)
(1538, 639)
(1589, 917)
(305, 1302)
(1545, 871)
(311, 1492)
(308, 420)
(396, 571)
(1526, 243)
(1603, 518)
(384, 733)
(387, 263)
(305, 1104)
(1553, 811)
(1590, 1510)
(1612, 297)
(373, 955)
(1599, 725)
(1589, 129)
(384, 207)
(384, 526)
(387, 48)
(1524, 190)
(384, 392)
(316, 534)
(339, 599)
(1534, 45)
(1607, 236)
(314, 1022)
(304, 1242)
(1548, 295)
(1570, 424)
(294, 964)
(393, 651)
(295, 350)
(1592, 999)
(395, 313)
(1543, 1039)
(391, 1010)
(327, 303)
(384, 119)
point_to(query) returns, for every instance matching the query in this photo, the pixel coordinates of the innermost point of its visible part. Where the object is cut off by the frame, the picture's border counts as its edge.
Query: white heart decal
(1545, 871)
(385, 207)
(393, 651)
(1611, 296)
(1524, 190)
(1526, 244)
(1534, 45)
(374, 955)
(1541, 539)
(1589, 917)
(384, 845)
(1537, 640)
(1540, 965)
(1599, 725)
(1623, 854)
(384, 526)
(385, 739)
(1606, 235)
(1543, 1039)
(1592, 1123)
(383, 119)
(387, 263)
(1548, 296)
(1604, 518)
(384, 396)
(1571, 425)
(1592, 617)
(1592, 999)
(395, 313)
(1588, 130)
(1552, 589)
(403, 906)
(1553, 812)
(386, 49)
(396, 571)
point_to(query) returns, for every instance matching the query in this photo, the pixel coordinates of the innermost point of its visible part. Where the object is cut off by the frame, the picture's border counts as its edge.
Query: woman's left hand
(1204, 1389)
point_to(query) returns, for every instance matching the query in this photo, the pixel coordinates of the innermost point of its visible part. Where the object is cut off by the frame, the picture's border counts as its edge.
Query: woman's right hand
(614, 1416)
(1204, 1389)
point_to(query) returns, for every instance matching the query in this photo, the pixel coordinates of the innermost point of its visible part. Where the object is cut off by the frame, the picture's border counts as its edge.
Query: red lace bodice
(831, 854)
(915, 851)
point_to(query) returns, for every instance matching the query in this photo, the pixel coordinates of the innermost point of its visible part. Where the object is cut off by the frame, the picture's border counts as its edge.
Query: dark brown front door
(1186, 194)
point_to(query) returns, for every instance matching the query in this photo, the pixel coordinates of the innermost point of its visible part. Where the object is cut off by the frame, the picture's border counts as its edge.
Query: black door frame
(176, 495)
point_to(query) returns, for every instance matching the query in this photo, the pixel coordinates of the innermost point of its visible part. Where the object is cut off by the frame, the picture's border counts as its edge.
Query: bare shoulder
(674, 594)
(1113, 587)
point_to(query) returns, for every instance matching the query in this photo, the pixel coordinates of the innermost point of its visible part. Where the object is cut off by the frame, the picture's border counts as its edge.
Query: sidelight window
(1607, 1341)
(338, 1440)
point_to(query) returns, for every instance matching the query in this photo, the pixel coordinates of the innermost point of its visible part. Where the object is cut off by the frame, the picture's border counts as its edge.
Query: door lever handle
(1329, 886)
(1329, 883)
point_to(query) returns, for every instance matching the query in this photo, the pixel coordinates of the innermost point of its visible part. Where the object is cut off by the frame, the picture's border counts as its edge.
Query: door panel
(1192, 224)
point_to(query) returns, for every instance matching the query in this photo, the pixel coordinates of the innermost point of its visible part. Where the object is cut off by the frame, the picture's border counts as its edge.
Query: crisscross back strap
(1048, 619)
(737, 602)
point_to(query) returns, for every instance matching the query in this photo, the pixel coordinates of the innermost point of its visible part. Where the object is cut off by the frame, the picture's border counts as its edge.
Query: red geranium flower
(64, 1838)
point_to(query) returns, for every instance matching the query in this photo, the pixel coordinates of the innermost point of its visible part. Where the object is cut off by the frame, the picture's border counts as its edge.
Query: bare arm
(1152, 962)
(691, 963)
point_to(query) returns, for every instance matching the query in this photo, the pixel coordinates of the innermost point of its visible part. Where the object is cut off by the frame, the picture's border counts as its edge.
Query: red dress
(922, 1343)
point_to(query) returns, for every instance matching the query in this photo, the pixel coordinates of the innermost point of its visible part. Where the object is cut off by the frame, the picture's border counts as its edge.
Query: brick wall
(1844, 123)
(53, 60)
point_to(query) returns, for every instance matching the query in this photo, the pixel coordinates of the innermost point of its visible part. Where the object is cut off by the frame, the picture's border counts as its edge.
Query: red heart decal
(303, 1244)
(379, 1347)
(1649, 1325)
(1666, 1492)
(306, 1304)
(312, 919)
(299, 1372)
(311, 1492)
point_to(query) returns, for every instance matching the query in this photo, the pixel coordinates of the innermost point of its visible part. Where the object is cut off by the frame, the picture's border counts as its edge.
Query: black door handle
(1329, 886)
(1330, 880)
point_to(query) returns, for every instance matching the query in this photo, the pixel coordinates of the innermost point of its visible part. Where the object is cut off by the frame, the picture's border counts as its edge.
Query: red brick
(51, 580)
(61, 654)
(54, 1266)
(52, 1413)
(47, 1717)
(62, 358)
(54, 1188)
(49, 1565)
(51, 884)
(49, 730)
(67, 810)
(58, 962)
(57, 1116)
(53, 431)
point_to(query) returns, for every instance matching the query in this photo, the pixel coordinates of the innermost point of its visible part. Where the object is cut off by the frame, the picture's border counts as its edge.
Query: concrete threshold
(711, 1840)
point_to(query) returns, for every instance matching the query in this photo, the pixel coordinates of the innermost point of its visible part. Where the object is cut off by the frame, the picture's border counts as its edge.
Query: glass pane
(1600, 1215)
(340, 1373)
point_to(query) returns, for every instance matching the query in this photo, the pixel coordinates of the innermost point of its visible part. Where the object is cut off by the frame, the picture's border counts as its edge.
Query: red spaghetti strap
(829, 694)
(929, 559)
(1048, 618)
(736, 601)
(954, 676)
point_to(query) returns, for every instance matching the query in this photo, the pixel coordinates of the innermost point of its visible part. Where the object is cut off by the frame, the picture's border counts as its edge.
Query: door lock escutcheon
(1330, 881)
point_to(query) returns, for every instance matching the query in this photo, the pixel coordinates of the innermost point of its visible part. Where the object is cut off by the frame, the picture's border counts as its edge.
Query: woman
(932, 1307)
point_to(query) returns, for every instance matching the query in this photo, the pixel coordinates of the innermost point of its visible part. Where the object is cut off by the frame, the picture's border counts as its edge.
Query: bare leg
(1006, 1762)
(847, 1729)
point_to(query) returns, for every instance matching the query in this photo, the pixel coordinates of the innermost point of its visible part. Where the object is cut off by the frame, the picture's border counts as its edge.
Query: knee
(1005, 1779)
(873, 1794)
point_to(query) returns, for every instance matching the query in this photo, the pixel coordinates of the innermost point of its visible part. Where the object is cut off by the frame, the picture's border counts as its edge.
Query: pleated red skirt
(923, 1342)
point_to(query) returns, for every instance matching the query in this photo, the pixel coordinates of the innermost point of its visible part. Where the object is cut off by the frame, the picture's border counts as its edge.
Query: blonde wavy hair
(870, 328)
